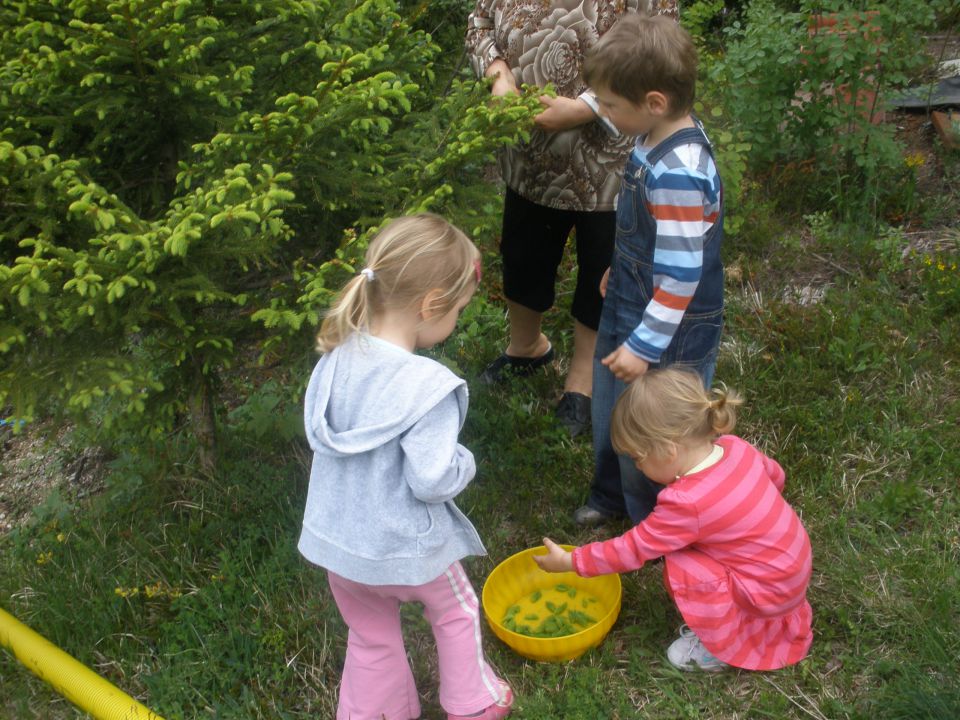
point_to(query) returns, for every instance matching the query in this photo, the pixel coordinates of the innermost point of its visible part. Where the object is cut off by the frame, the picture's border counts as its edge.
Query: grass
(188, 592)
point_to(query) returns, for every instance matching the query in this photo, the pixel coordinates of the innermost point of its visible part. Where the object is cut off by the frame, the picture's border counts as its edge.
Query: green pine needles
(180, 177)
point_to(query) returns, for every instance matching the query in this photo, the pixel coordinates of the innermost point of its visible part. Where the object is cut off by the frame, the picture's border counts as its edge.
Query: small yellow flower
(61, 538)
(914, 160)
(44, 557)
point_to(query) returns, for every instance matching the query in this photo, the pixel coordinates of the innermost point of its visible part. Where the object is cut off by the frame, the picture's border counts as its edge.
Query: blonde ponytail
(722, 404)
(348, 314)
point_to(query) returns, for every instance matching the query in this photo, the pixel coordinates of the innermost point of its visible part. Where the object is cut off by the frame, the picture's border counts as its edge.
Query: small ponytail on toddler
(722, 404)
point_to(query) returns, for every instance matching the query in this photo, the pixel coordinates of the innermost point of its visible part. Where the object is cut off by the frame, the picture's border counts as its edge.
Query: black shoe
(573, 412)
(506, 365)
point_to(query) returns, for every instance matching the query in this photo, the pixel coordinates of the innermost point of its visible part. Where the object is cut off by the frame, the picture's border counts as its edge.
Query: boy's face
(629, 117)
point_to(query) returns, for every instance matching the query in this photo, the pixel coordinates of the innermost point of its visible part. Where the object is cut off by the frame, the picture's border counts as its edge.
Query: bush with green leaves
(182, 178)
(802, 87)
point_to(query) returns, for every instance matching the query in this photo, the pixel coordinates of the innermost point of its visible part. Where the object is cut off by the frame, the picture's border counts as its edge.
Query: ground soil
(38, 461)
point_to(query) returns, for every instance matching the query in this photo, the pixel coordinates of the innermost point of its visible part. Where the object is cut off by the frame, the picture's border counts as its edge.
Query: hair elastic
(368, 274)
(476, 270)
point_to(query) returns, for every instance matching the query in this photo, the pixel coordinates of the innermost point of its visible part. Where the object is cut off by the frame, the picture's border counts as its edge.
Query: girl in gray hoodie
(380, 518)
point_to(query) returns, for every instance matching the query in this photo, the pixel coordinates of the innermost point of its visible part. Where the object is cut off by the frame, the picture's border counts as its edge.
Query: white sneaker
(688, 653)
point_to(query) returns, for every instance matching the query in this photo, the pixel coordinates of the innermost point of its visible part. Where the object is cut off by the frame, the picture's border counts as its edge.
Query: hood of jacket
(398, 388)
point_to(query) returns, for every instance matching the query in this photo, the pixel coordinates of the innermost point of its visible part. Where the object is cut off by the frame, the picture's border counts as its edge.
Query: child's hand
(562, 113)
(556, 560)
(604, 281)
(625, 365)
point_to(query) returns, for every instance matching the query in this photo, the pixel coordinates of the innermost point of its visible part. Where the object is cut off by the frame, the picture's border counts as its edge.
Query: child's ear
(432, 304)
(671, 451)
(657, 103)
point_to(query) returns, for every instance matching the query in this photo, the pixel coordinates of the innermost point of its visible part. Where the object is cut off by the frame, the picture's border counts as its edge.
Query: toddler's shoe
(497, 711)
(688, 653)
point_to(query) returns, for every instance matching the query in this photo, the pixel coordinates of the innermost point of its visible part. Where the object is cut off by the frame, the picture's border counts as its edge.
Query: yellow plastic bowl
(518, 577)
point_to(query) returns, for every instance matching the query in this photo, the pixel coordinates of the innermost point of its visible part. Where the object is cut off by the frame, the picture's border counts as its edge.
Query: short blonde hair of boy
(670, 406)
(407, 259)
(643, 54)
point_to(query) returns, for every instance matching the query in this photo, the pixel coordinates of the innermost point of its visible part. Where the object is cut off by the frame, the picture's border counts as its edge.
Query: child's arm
(775, 472)
(685, 204)
(435, 466)
(673, 524)
(623, 364)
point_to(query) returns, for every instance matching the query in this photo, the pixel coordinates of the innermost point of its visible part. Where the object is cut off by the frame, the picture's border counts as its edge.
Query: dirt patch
(38, 461)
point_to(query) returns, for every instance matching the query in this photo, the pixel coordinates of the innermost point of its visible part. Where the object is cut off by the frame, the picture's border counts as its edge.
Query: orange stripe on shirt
(681, 213)
(670, 300)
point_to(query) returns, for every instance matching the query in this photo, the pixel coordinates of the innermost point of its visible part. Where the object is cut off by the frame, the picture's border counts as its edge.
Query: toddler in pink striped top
(737, 559)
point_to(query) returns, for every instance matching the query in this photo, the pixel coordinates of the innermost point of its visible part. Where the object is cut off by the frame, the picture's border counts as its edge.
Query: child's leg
(377, 680)
(467, 683)
(606, 491)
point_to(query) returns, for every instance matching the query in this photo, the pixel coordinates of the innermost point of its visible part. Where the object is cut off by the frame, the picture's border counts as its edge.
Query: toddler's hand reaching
(556, 560)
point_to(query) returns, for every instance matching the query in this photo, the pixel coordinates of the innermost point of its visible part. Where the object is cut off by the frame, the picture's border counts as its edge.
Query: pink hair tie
(476, 270)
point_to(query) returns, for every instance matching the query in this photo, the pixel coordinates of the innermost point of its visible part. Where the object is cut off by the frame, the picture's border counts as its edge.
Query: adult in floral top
(566, 177)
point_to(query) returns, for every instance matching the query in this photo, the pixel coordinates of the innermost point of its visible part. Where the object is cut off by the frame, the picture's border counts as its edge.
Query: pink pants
(377, 681)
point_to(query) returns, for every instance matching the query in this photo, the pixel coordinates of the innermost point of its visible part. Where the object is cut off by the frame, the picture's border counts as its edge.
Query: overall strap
(686, 136)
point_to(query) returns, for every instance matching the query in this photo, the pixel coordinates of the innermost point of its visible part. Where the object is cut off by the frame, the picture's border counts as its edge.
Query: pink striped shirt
(738, 560)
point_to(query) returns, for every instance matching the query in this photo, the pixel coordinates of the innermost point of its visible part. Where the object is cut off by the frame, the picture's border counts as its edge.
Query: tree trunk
(203, 420)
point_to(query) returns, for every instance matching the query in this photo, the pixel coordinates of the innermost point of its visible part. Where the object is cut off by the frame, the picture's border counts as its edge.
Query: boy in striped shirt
(663, 293)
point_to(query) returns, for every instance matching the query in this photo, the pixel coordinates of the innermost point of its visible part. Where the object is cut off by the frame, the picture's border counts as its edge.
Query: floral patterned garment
(545, 42)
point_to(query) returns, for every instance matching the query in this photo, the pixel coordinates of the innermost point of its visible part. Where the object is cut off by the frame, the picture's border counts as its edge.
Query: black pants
(532, 244)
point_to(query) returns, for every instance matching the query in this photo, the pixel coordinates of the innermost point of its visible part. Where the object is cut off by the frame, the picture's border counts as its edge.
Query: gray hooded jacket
(383, 426)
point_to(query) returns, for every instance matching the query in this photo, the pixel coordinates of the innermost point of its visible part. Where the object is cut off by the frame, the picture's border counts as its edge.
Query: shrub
(804, 87)
(174, 176)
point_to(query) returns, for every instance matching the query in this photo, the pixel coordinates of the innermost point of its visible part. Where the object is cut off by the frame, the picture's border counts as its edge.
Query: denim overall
(618, 486)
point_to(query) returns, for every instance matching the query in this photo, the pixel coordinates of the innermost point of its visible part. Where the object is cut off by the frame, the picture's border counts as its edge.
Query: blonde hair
(667, 406)
(408, 258)
(643, 54)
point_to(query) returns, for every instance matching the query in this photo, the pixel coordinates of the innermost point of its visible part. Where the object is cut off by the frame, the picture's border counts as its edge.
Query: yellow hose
(76, 682)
